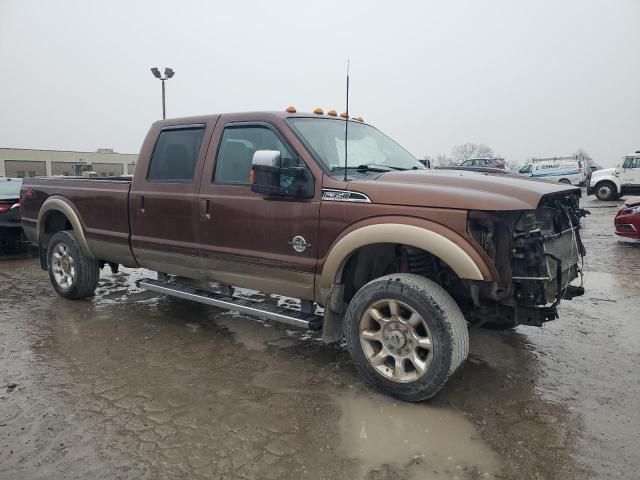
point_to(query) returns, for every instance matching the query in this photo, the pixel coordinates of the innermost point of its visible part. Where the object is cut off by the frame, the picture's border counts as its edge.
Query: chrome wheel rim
(396, 340)
(63, 266)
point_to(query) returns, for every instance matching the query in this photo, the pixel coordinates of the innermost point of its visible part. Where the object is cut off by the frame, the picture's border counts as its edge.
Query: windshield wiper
(370, 167)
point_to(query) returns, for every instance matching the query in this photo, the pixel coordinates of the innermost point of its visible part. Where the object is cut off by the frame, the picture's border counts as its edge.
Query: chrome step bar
(184, 290)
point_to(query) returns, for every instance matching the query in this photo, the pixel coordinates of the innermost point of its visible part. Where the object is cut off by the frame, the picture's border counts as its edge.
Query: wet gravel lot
(134, 385)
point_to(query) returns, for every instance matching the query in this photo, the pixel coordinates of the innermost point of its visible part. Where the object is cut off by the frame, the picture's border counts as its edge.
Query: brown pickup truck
(401, 260)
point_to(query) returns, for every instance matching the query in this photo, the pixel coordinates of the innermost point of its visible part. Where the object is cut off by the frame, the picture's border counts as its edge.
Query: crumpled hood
(631, 202)
(457, 189)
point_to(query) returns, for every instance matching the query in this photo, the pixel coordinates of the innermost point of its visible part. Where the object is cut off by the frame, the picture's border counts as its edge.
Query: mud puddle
(400, 440)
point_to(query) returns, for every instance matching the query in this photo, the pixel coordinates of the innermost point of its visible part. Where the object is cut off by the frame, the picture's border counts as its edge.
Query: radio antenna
(346, 126)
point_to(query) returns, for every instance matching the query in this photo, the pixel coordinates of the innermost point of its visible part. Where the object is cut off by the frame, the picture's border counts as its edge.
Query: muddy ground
(134, 385)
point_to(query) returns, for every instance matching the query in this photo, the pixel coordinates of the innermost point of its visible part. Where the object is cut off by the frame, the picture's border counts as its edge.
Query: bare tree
(463, 152)
(582, 154)
(442, 160)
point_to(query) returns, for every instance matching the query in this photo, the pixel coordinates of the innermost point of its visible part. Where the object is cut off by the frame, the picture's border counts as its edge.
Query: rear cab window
(175, 154)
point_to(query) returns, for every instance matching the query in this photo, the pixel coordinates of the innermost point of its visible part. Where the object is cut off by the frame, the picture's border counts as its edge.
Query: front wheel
(606, 191)
(72, 273)
(406, 335)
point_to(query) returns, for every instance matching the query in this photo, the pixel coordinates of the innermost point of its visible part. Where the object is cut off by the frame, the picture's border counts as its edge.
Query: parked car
(484, 163)
(570, 172)
(613, 183)
(627, 221)
(10, 220)
(402, 258)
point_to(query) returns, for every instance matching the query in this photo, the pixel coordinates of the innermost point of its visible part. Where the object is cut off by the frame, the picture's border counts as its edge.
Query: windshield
(366, 145)
(526, 169)
(10, 188)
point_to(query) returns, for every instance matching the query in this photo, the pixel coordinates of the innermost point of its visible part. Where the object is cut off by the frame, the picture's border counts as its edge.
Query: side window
(237, 146)
(175, 155)
(634, 162)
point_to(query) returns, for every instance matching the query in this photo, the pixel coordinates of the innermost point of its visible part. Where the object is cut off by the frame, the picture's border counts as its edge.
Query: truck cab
(613, 183)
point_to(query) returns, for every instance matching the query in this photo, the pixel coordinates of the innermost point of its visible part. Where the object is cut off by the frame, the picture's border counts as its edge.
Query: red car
(627, 221)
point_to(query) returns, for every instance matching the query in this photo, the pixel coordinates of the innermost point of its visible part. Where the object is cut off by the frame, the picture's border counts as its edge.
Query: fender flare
(57, 203)
(422, 237)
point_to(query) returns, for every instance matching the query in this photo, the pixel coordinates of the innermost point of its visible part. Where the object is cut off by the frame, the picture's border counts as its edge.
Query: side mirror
(271, 178)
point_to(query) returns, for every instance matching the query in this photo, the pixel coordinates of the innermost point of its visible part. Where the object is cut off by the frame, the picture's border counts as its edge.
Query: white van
(571, 172)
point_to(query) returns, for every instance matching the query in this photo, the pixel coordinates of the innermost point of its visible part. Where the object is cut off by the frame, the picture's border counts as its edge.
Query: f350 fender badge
(299, 244)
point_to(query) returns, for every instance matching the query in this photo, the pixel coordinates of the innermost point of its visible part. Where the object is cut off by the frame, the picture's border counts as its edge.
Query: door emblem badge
(299, 244)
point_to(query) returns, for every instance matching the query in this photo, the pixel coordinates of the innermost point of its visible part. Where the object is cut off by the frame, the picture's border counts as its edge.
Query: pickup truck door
(163, 204)
(247, 239)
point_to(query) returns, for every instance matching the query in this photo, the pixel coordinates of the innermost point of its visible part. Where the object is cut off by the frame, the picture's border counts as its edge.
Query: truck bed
(101, 205)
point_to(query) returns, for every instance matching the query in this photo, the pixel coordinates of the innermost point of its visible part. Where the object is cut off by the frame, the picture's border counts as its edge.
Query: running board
(287, 316)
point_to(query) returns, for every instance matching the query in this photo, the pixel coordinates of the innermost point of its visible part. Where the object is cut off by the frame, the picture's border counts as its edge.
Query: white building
(25, 162)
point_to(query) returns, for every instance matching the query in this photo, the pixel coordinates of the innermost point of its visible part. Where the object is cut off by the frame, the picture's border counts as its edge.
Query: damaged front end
(537, 255)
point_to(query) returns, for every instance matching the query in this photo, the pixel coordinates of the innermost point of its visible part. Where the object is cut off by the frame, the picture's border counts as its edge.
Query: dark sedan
(10, 219)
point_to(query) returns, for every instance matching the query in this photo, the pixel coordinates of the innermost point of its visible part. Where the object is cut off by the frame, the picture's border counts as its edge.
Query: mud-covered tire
(443, 320)
(606, 191)
(86, 271)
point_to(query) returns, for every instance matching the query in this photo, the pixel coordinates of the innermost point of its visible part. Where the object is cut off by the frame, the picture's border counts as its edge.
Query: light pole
(168, 73)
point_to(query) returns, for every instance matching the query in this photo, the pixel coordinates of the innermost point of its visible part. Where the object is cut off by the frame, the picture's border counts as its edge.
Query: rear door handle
(205, 209)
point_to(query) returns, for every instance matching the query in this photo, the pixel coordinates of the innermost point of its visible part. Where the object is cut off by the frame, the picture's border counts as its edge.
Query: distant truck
(567, 170)
(613, 183)
(402, 259)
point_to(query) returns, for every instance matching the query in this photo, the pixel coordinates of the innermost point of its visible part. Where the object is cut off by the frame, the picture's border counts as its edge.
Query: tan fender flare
(421, 237)
(62, 205)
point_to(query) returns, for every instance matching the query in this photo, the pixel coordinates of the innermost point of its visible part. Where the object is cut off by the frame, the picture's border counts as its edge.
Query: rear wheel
(566, 181)
(72, 274)
(606, 191)
(406, 335)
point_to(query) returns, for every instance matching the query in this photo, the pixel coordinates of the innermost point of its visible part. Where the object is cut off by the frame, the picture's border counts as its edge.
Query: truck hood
(605, 172)
(457, 189)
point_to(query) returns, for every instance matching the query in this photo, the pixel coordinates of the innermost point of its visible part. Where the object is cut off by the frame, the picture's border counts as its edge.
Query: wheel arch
(612, 181)
(433, 238)
(54, 207)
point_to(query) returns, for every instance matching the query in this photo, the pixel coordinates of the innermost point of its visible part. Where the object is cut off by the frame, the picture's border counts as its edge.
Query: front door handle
(140, 208)
(205, 209)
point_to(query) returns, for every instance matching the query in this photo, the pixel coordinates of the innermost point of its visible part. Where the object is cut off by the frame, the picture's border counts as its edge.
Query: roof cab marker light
(359, 119)
(291, 109)
(318, 111)
(332, 113)
(344, 115)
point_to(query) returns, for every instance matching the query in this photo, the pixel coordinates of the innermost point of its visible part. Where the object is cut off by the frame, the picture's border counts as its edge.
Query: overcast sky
(538, 78)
